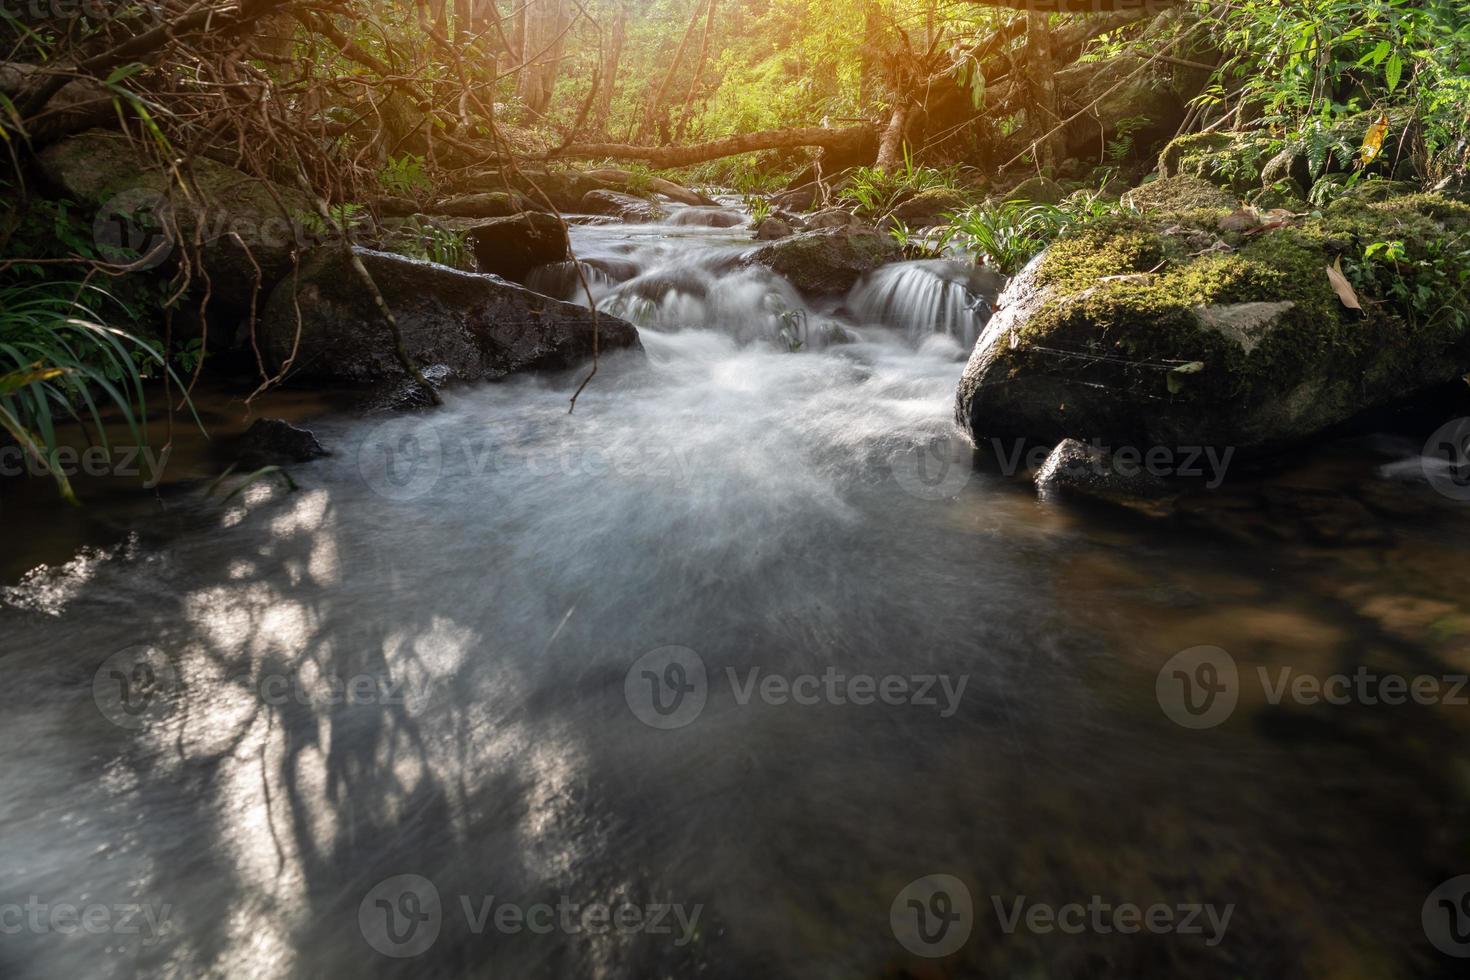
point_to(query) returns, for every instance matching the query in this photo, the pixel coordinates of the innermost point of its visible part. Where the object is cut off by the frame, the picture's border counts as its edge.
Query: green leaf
(1394, 72)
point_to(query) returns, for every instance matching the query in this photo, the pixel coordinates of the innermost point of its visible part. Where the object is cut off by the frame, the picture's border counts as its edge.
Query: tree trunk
(542, 47)
(650, 117)
(890, 150)
(837, 140)
(1041, 110)
(611, 62)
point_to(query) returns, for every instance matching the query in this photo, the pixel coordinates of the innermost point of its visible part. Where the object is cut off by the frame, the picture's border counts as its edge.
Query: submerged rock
(476, 326)
(1162, 330)
(277, 441)
(826, 261)
(708, 218)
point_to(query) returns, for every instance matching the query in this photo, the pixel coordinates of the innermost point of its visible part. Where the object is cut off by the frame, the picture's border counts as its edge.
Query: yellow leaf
(1373, 142)
(1342, 287)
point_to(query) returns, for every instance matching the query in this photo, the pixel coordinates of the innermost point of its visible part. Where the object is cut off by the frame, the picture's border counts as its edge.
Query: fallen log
(667, 157)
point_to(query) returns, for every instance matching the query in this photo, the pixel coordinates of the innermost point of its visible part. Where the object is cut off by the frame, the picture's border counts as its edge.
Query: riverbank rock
(242, 222)
(828, 260)
(476, 327)
(486, 204)
(928, 208)
(1162, 329)
(512, 247)
(625, 207)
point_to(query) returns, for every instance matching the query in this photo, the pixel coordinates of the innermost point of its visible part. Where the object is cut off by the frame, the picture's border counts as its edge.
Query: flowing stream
(746, 646)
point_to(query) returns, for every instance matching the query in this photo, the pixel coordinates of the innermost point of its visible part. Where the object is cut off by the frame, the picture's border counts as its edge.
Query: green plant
(1428, 284)
(1008, 235)
(428, 241)
(404, 175)
(793, 329)
(63, 363)
(877, 191)
(759, 206)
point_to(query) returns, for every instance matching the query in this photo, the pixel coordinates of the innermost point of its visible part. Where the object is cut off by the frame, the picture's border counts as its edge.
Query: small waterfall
(560, 280)
(935, 296)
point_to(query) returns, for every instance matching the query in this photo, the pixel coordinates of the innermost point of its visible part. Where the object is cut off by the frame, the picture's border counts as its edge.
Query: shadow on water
(426, 662)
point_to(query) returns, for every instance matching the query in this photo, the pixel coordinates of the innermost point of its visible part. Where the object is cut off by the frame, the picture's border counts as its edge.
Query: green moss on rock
(1090, 340)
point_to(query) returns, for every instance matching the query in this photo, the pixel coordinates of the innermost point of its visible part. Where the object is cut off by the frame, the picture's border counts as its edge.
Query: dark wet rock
(799, 199)
(476, 326)
(238, 218)
(1325, 516)
(1076, 469)
(1129, 333)
(826, 261)
(276, 441)
(486, 204)
(928, 208)
(625, 207)
(512, 247)
(773, 229)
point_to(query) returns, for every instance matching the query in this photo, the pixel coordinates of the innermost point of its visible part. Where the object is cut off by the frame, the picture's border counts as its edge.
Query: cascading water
(927, 297)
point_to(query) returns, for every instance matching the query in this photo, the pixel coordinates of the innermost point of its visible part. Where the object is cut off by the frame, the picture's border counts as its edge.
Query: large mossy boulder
(827, 261)
(470, 326)
(140, 213)
(1160, 328)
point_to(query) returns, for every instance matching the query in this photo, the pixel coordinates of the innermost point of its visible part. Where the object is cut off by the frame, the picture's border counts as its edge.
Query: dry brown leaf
(1342, 287)
(1243, 220)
